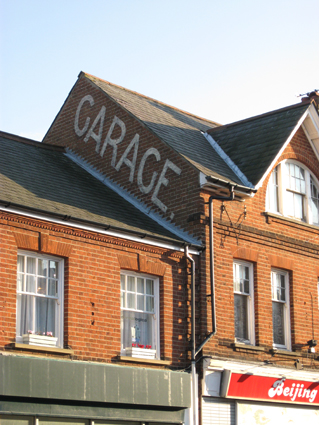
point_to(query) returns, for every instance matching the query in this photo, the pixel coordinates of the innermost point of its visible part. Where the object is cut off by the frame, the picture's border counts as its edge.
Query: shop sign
(255, 387)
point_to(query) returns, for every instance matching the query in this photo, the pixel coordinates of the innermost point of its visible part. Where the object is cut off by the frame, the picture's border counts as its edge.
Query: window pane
(237, 285)
(140, 302)
(25, 322)
(140, 285)
(53, 270)
(45, 316)
(279, 287)
(241, 283)
(20, 263)
(131, 283)
(30, 284)
(150, 304)
(314, 202)
(241, 317)
(130, 300)
(122, 282)
(290, 203)
(20, 282)
(137, 328)
(53, 288)
(122, 299)
(315, 211)
(42, 283)
(149, 287)
(298, 201)
(31, 265)
(278, 323)
(42, 267)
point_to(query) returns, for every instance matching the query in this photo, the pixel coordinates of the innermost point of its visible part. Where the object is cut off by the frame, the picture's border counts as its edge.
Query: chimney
(312, 97)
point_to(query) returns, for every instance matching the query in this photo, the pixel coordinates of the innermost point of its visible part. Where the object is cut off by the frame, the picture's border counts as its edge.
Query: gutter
(225, 183)
(96, 227)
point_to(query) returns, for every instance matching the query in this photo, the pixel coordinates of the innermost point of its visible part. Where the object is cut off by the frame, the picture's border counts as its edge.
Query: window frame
(286, 303)
(156, 323)
(283, 189)
(250, 301)
(59, 307)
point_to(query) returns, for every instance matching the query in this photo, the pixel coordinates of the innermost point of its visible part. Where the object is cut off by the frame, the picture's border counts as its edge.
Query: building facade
(159, 267)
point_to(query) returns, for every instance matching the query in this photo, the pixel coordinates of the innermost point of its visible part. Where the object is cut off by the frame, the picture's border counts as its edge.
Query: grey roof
(41, 177)
(179, 129)
(253, 144)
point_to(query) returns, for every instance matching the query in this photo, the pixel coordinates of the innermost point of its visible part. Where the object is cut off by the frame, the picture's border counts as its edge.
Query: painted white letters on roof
(95, 131)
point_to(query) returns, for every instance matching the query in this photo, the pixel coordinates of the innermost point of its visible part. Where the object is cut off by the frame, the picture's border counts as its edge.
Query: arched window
(293, 192)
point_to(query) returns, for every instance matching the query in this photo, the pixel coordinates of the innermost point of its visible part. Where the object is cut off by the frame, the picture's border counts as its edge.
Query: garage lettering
(95, 131)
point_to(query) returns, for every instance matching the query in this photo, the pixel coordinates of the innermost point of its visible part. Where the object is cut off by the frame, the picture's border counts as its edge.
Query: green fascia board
(22, 376)
(134, 414)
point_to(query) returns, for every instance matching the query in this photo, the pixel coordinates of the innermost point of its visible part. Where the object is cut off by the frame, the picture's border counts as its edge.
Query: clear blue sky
(224, 60)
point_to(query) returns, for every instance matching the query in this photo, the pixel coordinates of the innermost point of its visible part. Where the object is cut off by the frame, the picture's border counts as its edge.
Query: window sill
(141, 360)
(55, 350)
(241, 346)
(270, 216)
(280, 352)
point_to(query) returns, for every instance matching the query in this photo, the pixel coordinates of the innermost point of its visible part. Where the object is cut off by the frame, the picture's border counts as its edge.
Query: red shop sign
(254, 387)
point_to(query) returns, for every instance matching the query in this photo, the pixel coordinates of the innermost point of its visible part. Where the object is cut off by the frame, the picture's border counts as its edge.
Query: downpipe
(194, 394)
(231, 197)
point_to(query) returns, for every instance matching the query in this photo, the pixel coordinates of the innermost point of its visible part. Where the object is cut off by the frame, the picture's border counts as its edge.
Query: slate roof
(253, 144)
(41, 177)
(179, 129)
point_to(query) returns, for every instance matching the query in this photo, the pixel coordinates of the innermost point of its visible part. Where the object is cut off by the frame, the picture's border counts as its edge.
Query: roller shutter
(217, 412)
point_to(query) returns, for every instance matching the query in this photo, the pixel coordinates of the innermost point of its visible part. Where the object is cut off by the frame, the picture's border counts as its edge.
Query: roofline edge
(98, 227)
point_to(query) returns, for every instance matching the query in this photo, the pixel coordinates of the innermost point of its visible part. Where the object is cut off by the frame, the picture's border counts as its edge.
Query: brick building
(115, 308)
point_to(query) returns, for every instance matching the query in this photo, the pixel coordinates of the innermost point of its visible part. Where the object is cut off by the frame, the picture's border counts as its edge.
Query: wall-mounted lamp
(312, 343)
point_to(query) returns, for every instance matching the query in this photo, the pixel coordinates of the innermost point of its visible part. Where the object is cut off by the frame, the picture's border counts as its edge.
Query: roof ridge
(150, 98)
(265, 114)
(27, 141)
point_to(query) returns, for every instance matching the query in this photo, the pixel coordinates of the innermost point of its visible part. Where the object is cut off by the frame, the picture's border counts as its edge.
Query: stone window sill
(240, 346)
(54, 350)
(287, 353)
(270, 216)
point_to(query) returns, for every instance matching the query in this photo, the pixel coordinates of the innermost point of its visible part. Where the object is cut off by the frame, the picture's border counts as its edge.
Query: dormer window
(293, 192)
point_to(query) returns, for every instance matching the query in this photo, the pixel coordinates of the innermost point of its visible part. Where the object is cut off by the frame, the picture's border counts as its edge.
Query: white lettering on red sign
(95, 132)
(296, 390)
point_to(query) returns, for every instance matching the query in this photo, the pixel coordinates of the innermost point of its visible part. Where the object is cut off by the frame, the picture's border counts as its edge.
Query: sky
(223, 60)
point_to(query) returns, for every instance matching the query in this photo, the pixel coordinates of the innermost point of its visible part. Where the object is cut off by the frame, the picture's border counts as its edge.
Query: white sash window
(244, 302)
(139, 316)
(39, 299)
(280, 309)
(293, 191)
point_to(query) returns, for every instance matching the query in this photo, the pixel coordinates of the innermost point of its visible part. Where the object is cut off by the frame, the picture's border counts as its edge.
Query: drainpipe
(194, 352)
(231, 197)
(193, 346)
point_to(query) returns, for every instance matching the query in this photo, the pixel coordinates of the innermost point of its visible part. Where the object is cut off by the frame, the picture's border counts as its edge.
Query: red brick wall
(92, 287)
(266, 242)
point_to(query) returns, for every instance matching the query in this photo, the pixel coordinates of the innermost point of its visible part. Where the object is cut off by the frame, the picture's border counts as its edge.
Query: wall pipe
(193, 341)
(231, 197)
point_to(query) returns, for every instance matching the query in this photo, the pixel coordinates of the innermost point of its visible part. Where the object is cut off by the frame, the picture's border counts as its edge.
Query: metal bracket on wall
(235, 226)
